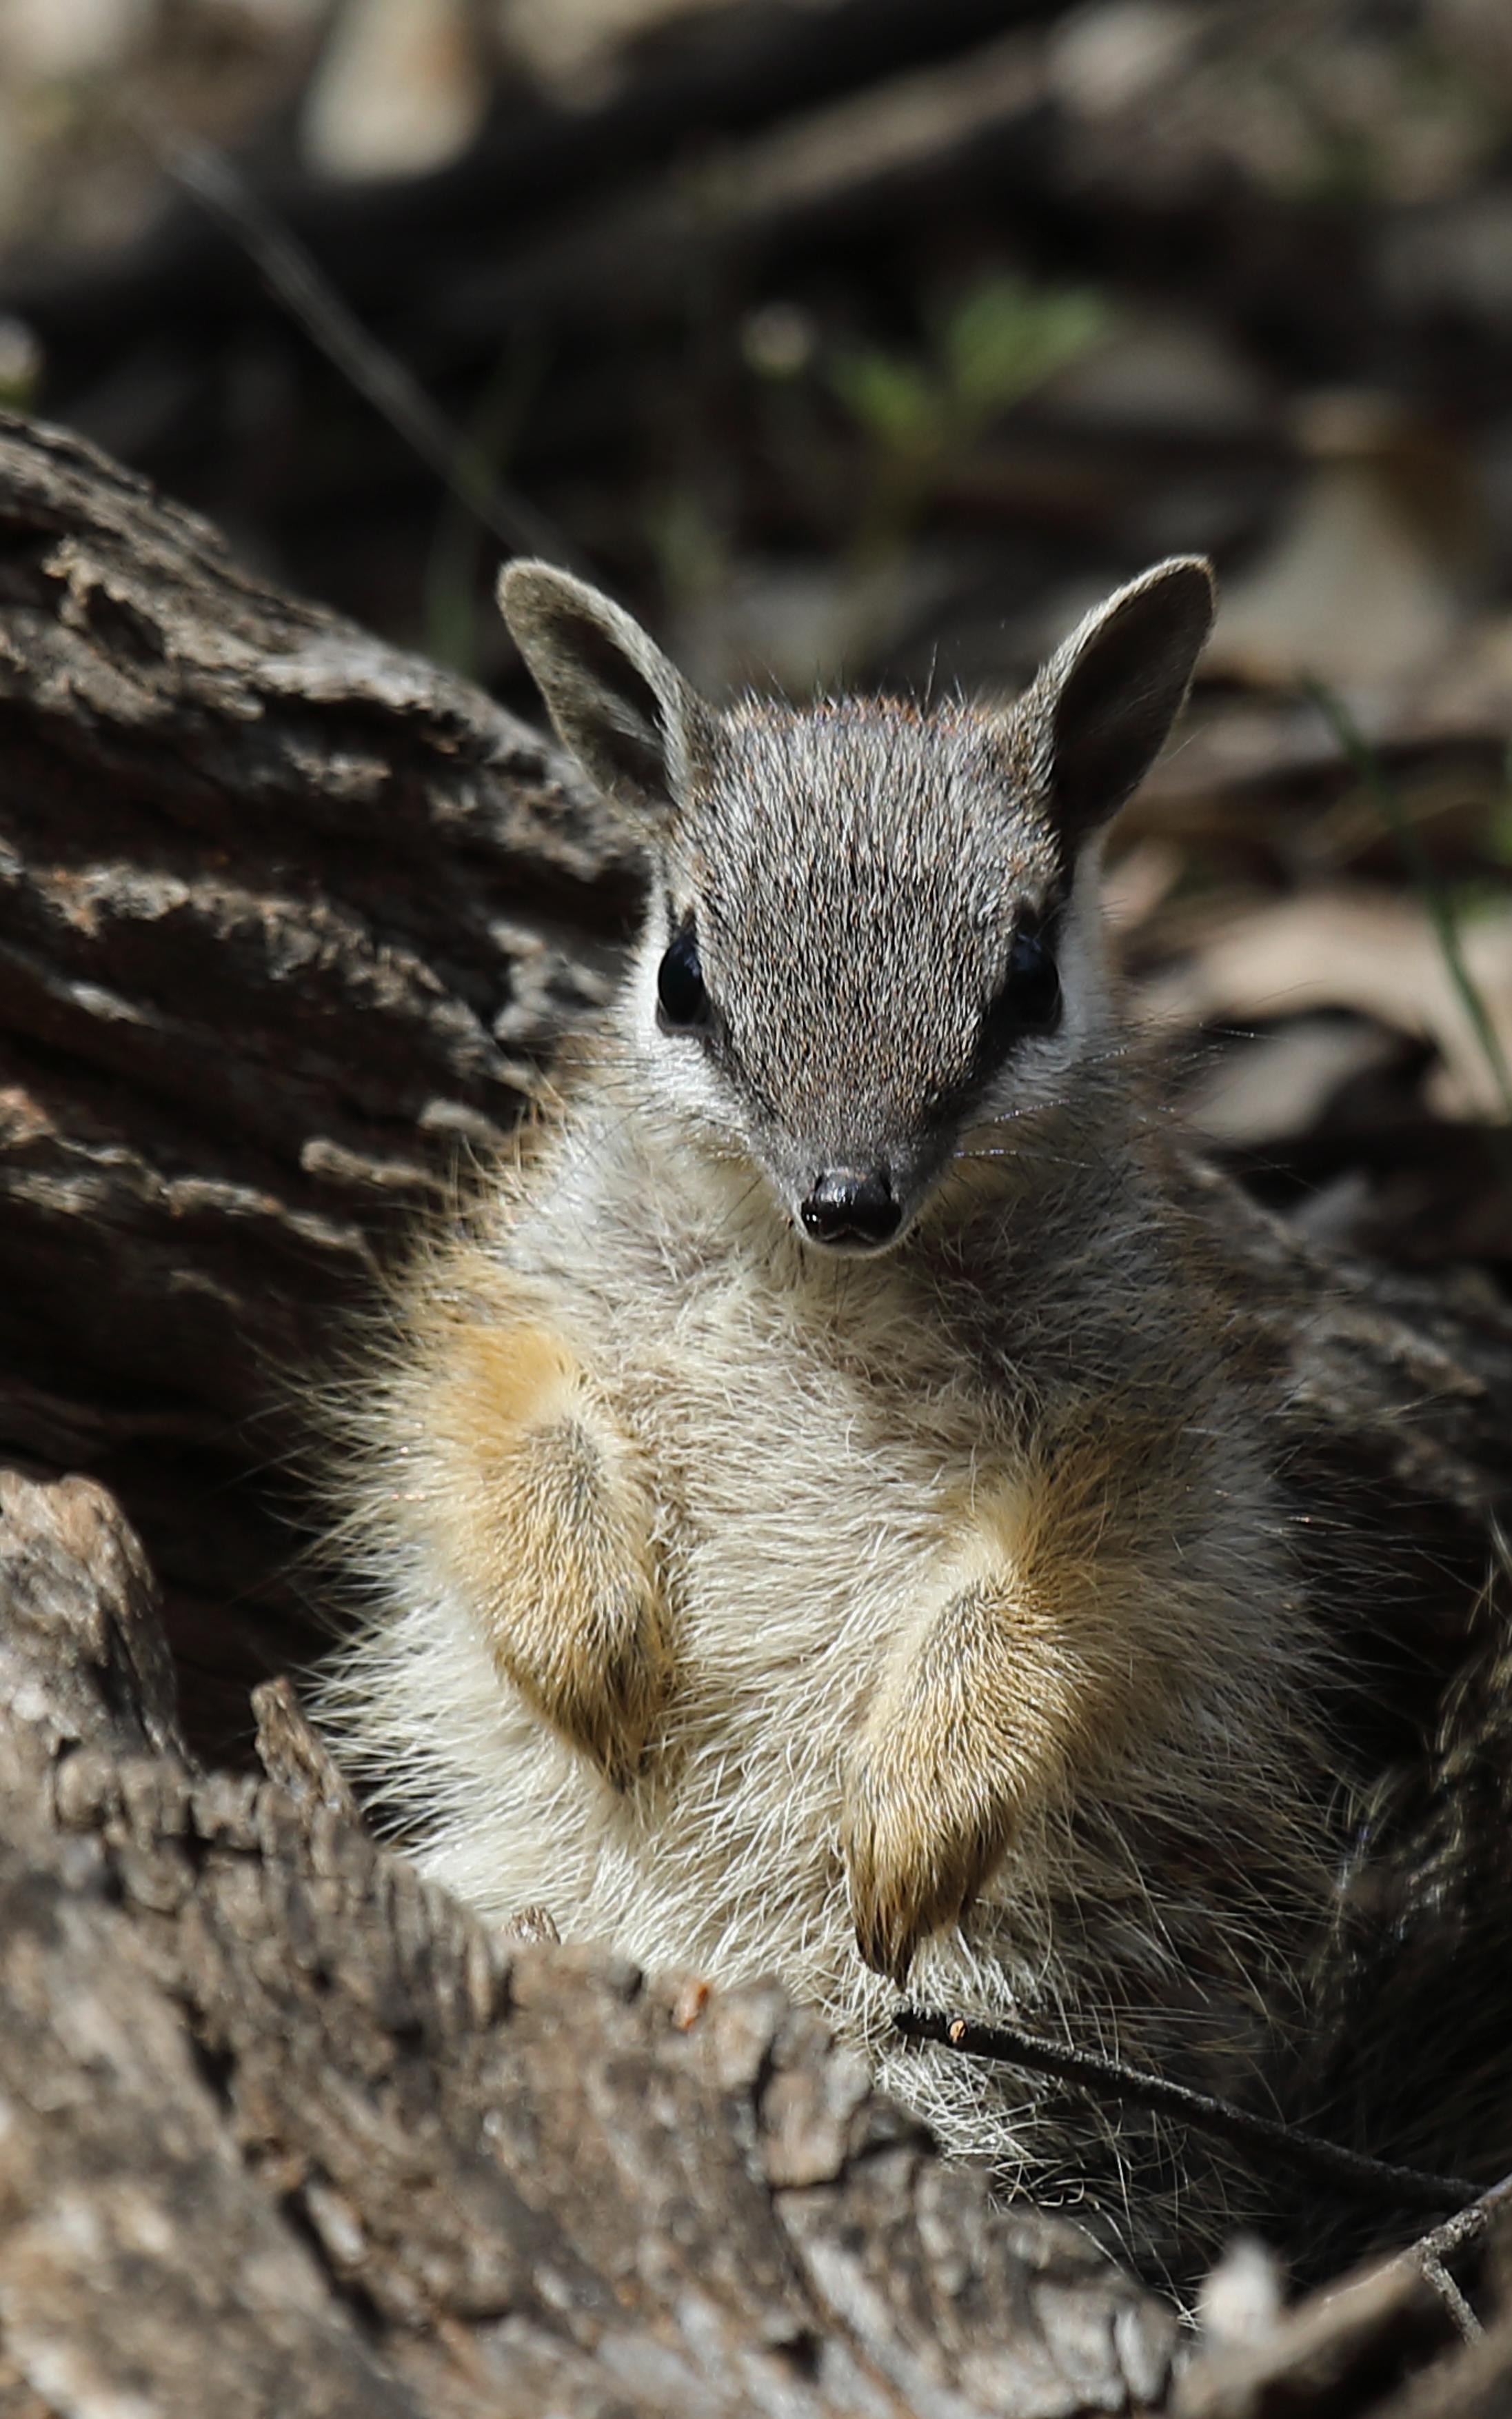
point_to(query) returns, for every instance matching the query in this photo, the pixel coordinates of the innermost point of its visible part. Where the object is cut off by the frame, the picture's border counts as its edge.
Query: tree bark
(291, 921)
(287, 2133)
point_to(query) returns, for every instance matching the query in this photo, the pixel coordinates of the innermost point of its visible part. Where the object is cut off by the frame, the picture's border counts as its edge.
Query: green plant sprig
(999, 342)
(1423, 874)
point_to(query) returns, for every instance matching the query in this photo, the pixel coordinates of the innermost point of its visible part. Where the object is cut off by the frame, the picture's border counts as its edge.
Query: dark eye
(1033, 981)
(680, 992)
(1028, 998)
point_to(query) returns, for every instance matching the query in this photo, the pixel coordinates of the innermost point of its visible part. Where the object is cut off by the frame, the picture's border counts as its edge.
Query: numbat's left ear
(626, 713)
(1100, 708)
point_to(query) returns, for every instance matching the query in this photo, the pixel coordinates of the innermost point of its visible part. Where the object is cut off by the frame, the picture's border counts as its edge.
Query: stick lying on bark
(1110, 2079)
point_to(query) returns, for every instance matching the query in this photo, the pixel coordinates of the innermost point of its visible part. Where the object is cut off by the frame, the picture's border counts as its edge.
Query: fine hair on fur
(811, 1512)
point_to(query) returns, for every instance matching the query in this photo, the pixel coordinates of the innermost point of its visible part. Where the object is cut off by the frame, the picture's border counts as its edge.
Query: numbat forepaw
(607, 1682)
(914, 1858)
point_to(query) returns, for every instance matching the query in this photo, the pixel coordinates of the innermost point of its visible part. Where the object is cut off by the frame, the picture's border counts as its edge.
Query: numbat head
(817, 1505)
(872, 927)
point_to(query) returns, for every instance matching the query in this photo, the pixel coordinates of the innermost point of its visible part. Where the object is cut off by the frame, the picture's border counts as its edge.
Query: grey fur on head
(861, 883)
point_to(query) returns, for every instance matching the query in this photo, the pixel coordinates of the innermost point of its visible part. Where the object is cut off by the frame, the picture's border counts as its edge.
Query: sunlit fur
(767, 1610)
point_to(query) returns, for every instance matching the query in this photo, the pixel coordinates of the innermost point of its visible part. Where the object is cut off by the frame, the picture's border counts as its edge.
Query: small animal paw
(529, 1924)
(917, 1838)
(543, 1523)
(601, 1667)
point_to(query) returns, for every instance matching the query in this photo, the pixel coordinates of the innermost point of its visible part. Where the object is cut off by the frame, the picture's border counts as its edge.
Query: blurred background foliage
(869, 341)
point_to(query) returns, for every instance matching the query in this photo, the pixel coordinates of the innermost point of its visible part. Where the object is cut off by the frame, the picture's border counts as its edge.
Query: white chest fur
(807, 1513)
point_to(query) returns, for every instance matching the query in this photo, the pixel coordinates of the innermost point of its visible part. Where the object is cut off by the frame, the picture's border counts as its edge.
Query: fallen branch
(1432, 2251)
(1108, 2078)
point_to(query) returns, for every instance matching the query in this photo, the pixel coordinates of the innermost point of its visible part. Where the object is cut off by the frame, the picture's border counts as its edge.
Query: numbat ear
(1102, 706)
(627, 715)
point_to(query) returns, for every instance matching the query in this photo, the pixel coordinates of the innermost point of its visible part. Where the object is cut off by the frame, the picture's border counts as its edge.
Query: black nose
(847, 1207)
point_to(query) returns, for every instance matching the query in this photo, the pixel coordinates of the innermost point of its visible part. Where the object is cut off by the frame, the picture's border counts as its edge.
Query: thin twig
(1109, 2078)
(1431, 2253)
(1467, 2224)
(1437, 2275)
(211, 179)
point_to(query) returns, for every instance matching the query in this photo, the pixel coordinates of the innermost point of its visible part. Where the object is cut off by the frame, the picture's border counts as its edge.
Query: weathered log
(1339, 2354)
(289, 921)
(287, 2132)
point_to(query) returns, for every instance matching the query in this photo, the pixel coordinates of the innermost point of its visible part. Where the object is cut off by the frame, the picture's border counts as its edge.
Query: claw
(914, 1859)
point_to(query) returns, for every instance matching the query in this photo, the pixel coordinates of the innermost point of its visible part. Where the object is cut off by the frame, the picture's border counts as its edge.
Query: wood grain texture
(287, 923)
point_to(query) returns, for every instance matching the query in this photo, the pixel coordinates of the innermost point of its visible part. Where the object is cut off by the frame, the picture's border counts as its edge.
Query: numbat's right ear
(633, 723)
(1103, 705)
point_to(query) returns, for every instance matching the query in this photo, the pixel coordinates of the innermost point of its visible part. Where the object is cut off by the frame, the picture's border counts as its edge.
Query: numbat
(819, 1523)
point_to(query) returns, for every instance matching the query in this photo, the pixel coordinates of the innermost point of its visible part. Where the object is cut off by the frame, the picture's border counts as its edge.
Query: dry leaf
(1372, 952)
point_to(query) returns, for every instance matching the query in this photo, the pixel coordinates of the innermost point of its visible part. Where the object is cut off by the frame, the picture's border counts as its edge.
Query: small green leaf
(1006, 337)
(890, 397)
